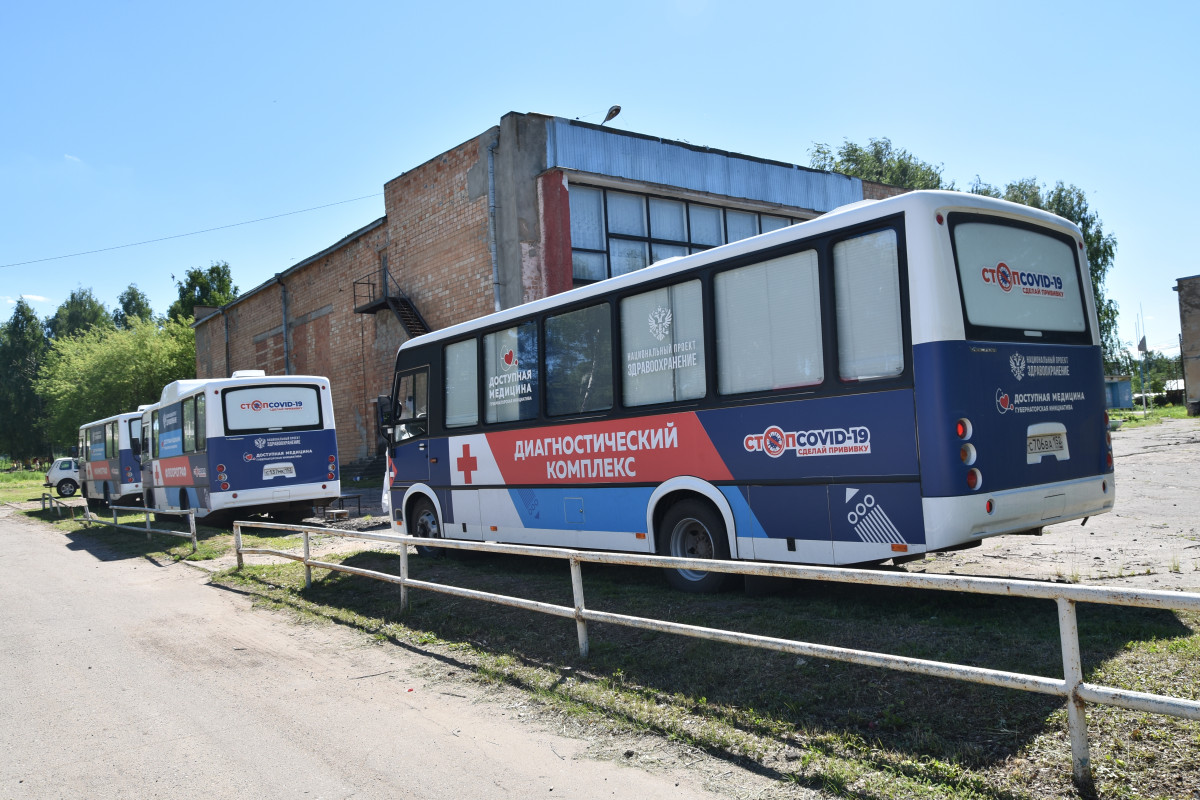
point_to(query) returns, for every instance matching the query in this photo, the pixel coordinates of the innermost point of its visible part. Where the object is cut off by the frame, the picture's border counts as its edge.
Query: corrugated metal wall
(586, 148)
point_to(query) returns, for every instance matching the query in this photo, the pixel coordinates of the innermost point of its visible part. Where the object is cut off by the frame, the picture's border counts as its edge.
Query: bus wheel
(423, 522)
(692, 529)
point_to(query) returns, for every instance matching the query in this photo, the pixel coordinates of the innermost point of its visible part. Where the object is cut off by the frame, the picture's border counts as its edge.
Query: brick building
(531, 207)
(1189, 340)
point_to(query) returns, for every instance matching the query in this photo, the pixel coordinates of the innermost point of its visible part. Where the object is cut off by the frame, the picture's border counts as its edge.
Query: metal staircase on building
(378, 291)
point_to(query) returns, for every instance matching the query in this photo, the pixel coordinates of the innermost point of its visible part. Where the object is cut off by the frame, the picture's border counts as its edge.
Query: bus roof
(124, 415)
(923, 202)
(173, 391)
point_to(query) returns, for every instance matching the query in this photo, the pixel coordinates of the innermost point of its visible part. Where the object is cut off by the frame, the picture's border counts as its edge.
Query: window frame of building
(657, 245)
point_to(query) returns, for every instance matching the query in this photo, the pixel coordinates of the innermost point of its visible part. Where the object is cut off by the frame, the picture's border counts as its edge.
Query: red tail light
(974, 479)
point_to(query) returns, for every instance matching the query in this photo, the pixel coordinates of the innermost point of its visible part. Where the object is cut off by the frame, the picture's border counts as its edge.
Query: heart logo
(1003, 401)
(510, 359)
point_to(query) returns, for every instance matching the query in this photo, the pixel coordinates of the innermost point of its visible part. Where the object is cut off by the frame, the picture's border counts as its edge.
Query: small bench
(337, 507)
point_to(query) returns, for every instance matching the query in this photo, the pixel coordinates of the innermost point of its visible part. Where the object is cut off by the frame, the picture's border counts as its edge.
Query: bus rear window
(256, 409)
(1019, 279)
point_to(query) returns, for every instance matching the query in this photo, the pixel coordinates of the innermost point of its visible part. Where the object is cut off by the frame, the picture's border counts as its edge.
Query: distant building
(532, 207)
(1189, 340)
(1118, 391)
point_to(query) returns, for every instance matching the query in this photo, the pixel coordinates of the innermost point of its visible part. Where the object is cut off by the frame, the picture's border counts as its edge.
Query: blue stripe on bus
(827, 425)
(599, 509)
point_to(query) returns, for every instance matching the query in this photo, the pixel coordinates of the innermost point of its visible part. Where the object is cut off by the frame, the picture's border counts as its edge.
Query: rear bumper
(951, 521)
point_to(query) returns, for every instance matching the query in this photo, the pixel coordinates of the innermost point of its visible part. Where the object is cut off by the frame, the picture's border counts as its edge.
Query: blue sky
(127, 122)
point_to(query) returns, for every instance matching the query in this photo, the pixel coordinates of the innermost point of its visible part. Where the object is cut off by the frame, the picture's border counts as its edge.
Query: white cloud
(69, 157)
(36, 298)
(8, 300)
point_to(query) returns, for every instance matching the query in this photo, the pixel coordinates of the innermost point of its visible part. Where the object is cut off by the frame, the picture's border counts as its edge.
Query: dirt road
(126, 678)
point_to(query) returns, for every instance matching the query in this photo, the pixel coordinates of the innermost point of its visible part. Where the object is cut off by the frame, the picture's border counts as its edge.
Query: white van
(64, 476)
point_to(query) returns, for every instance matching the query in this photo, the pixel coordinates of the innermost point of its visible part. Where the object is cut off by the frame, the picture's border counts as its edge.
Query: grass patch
(1153, 415)
(844, 730)
(22, 486)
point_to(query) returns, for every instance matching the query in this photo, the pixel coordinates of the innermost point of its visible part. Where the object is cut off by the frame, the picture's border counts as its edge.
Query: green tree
(132, 304)
(1158, 369)
(78, 313)
(203, 287)
(109, 371)
(23, 346)
(881, 162)
(1101, 248)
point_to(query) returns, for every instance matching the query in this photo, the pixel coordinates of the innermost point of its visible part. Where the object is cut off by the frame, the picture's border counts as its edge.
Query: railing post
(1081, 762)
(237, 542)
(307, 567)
(192, 526)
(404, 577)
(147, 524)
(577, 590)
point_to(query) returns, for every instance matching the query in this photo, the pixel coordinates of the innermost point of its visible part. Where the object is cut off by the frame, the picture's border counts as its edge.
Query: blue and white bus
(109, 469)
(894, 378)
(241, 445)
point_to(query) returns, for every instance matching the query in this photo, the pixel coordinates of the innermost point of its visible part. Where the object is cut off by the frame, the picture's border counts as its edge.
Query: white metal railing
(190, 513)
(1071, 686)
(50, 501)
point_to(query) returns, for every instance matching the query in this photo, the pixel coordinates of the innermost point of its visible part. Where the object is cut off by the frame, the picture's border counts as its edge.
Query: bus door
(410, 439)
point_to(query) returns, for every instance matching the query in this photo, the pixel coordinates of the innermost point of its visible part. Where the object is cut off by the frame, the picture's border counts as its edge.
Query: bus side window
(145, 439)
(189, 425)
(201, 431)
(135, 437)
(461, 371)
(154, 434)
(866, 280)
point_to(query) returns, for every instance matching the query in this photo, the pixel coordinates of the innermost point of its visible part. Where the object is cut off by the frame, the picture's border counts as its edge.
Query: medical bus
(109, 469)
(894, 378)
(243, 445)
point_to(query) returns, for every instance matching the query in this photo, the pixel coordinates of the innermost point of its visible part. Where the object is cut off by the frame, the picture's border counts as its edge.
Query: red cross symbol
(467, 463)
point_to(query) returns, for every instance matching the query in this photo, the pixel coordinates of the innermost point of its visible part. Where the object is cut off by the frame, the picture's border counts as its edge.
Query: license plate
(282, 470)
(1045, 443)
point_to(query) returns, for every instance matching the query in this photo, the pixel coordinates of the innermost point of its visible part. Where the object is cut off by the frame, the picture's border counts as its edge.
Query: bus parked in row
(241, 445)
(896, 377)
(109, 468)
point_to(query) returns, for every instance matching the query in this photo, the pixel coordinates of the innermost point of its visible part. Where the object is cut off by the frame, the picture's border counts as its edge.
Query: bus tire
(66, 487)
(423, 522)
(692, 529)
